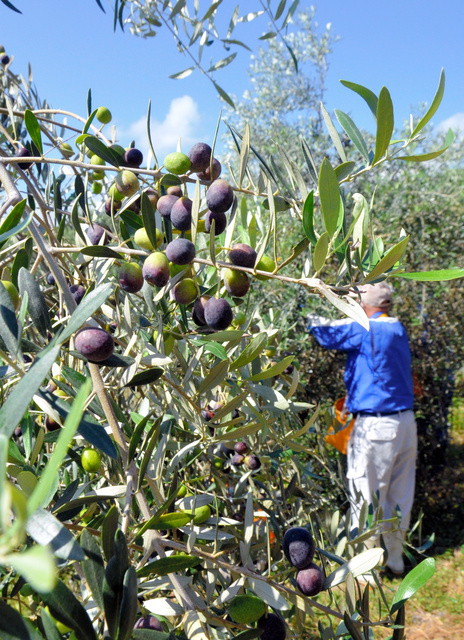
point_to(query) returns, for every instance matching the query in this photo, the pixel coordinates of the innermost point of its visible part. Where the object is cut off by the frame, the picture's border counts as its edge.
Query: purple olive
(51, 424)
(198, 313)
(180, 251)
(94, 343)
(24, 152)
(206, 174)
(149, 622)
(133, 158)
(77, 292)
(273, 627)
(236, 282)
(220, 196)
(241, 447)
(310, 580)
(237, 459)
(242, 255)
(156, 269)
(253, 462)
(299, 547)
(131, 277)
(181, 214)
(96, 232)
(112, 206)
(218, 314)
(200, 157)
(175, 190)
(165, 204)
(220, 222)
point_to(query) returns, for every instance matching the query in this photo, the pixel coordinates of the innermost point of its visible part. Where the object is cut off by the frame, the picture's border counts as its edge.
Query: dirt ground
(433, 626)
(446, 623)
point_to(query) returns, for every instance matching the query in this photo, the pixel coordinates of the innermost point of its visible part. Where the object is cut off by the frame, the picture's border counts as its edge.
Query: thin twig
(154, 173)
(36, 112)
(130, 490)
(142, 501)
(102, 394)
(178, 546)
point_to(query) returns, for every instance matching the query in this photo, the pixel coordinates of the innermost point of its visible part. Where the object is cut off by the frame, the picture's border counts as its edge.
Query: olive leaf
(10, 332)
(37, 307)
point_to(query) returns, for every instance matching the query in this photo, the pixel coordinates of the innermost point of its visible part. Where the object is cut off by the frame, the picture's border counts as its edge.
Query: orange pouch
(339, 439)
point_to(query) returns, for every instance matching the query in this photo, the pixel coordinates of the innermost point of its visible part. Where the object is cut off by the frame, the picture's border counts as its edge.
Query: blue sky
(72, 47)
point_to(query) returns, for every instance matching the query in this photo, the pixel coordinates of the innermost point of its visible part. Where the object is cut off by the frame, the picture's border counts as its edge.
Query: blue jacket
(378, 368)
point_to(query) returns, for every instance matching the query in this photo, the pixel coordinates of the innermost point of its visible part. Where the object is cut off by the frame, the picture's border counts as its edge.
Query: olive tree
(143, 344)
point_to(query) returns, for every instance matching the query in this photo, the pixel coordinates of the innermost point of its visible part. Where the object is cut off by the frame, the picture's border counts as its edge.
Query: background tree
(289, 102)
(424, 199)
(428, 203)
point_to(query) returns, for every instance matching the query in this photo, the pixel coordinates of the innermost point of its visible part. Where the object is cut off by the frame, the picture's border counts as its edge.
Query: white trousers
(382, 459)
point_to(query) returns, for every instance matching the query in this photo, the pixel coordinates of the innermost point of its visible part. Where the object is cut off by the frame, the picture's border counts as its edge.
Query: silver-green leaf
(385, 124)
(329, 194)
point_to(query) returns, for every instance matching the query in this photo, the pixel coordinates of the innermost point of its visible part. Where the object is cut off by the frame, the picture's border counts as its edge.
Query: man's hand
(316, 321)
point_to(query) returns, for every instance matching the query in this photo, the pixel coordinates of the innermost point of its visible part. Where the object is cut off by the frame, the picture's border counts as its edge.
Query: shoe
(396, 568)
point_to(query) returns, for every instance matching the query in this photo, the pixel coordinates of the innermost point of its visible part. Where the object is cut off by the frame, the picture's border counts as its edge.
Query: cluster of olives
(239, 455)
(216, 313)
(299, 548)
(209, 411)
(126, 183)
(160, 266)
(166, 261)
(176, 259)
(243, 456)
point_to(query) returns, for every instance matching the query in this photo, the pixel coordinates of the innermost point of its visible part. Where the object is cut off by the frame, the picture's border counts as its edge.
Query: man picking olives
(381, 455)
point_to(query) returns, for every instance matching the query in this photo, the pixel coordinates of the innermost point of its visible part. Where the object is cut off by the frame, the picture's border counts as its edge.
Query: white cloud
(456, 122)
(181, 121)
